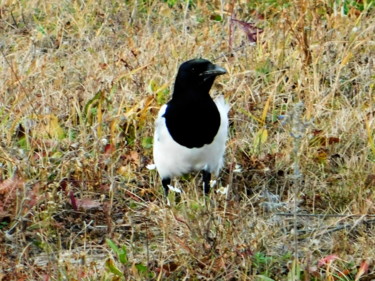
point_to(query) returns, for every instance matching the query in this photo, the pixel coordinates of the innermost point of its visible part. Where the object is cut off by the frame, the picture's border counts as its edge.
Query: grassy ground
(81, 84)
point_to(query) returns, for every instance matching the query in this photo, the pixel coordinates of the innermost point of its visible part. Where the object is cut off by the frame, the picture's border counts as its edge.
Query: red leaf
(332, 140)
(8, 192)
(363, 269)
(87, 204)
(33, 196)
(321, 140)
(11, 185)
(109, 149)
(344, 273)
(83, 204)
(103, 65)
(327, 260)
(250, 29)
(73, 201)
(317, 132)
(63, 185)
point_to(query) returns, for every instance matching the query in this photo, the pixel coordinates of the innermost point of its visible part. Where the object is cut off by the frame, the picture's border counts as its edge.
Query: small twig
(231, 52)
(14, 20)
(181, 220)
(324, 215)
(297, 131)
(18, 80)
(147, 246)
(23, 18)
(349, 226)
(85, 226)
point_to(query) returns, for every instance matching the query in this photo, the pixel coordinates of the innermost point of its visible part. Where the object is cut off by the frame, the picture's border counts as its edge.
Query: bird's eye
(193, 69)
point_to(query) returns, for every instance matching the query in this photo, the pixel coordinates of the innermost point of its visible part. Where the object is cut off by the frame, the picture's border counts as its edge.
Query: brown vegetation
(81, 83)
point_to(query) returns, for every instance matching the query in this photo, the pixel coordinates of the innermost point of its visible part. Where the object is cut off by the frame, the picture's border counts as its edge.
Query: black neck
(183, 91)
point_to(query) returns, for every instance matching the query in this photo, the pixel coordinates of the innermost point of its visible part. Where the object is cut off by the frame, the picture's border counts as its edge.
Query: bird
(191, 129)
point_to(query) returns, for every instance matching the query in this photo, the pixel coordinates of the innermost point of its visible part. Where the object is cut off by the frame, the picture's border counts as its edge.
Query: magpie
(191, 129)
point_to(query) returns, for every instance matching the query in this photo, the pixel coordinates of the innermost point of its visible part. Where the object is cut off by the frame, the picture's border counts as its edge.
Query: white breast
(172, 159)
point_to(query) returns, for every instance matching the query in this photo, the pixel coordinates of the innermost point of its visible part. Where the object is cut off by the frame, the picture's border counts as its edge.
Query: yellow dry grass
(81, 83)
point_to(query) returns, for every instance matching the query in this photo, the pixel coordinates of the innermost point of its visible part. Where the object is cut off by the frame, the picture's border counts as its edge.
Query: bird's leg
(166, 182)
(206, 181)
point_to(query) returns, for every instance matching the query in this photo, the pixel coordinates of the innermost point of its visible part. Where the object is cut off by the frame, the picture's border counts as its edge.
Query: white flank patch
(151, 166)
(223, 190)
(237, 169)
(174, 189)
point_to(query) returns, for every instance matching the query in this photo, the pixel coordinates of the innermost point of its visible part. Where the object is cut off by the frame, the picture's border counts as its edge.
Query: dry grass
(81, 85)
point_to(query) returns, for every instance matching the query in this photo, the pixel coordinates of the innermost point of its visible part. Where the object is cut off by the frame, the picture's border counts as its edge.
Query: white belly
(172, 159)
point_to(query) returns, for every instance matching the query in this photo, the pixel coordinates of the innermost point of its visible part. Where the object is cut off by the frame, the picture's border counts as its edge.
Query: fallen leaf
(33, 196)
(63, 185)
(167, 268)
(327, 260)
(250, 29)
(332, 140)
(4, 215)
(344, 273)
(87, 204)
(244, 252)
(321, 155)
(73, 201)
(319, 139)
(103, 65)
(8, 191)
(109, 149)
(83, 204)
(133, 157)
(363, 269)
(48, 127)
(370, 180)
(260, 138)
(218, 264)
(10, 185)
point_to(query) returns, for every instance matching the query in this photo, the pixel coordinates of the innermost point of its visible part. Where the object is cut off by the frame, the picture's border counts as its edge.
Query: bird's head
(197, 75)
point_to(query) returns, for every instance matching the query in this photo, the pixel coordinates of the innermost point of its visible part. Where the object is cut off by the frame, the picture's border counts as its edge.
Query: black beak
(213, 71)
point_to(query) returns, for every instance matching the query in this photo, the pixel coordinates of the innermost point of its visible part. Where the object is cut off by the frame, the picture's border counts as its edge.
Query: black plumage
(191, 129)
